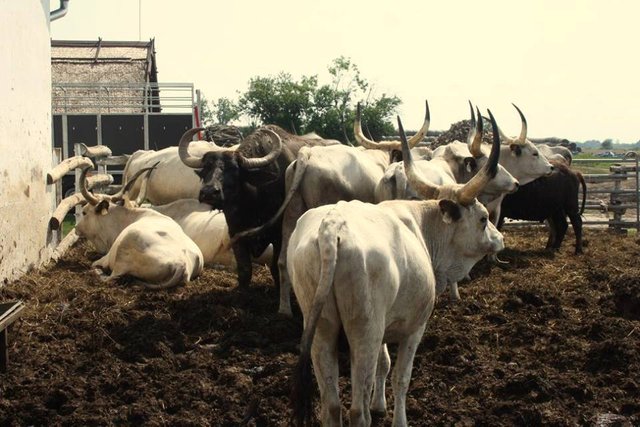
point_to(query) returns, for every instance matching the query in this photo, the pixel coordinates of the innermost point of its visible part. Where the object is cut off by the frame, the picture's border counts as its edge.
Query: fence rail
(109, 98)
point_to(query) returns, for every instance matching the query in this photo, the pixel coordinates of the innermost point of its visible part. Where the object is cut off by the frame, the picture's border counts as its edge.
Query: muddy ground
(554, 339)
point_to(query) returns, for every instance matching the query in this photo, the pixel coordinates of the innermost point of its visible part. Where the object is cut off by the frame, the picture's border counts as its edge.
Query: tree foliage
(305, 105)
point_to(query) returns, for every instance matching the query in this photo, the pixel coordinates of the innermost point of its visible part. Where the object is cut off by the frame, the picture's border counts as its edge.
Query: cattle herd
(367, 237)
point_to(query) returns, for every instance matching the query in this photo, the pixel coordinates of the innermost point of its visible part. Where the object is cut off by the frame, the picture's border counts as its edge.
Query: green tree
(607, 144)
(328, 109)
(226, 111)
(280, 100)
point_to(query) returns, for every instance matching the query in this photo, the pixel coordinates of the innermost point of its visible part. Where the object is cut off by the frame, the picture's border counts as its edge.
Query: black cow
(551, 198)
(248, 185)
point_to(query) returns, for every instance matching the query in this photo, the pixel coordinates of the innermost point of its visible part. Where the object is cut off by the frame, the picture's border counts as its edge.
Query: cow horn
(471, 189)
(415, 139)
(389, 145)
(523, 131)
(426, 190)
(93, 200)
(142, 194)
(260, 162)
(126, 188)
(472, 128)
(476, 140)
(366, 142)
(183, 149)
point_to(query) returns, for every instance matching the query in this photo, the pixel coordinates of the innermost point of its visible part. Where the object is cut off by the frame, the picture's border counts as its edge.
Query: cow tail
(584, 191)
(299, 165)
(180, 275)
(301, 390)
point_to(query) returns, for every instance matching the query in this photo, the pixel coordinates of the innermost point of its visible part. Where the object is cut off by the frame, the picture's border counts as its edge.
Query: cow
(172, 180)
(325, 175)
(556, 152)
(454, 162)
(137, 242)
(247, 185)
(372, 271)
(551, 198)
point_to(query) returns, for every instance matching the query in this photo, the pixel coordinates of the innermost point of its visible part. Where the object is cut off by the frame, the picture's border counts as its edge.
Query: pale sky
(571, 66)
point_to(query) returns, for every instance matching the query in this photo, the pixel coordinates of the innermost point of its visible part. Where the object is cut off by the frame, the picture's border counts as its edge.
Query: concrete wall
(26, 202)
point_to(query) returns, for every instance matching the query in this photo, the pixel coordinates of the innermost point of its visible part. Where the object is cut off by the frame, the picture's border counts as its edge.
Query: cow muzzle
(212, 196)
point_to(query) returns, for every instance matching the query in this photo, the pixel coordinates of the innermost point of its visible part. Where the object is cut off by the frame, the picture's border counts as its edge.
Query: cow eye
(483, 221)
(535, 154)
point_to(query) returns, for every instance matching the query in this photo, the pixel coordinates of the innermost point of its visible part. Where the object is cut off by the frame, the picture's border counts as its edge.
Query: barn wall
(26, 202)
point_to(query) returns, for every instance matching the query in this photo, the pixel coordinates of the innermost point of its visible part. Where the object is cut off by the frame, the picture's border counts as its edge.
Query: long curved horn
(142, 194)
(260, 162)
(476, 144)
(93, 200)
(415, 139)
(471, 189)
(426, 190)
(126, 188)
(183, 149)
(366, 142)
(472, 128)
(476, 141)
(523, 131)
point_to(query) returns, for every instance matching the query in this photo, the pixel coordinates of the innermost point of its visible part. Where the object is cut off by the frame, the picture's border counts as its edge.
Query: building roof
(83, 72)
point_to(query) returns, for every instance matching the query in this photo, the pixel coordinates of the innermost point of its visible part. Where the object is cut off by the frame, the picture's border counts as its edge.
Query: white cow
(208, 229)
(369, 269)
(556, 152)
(324, 175)
(138, 242)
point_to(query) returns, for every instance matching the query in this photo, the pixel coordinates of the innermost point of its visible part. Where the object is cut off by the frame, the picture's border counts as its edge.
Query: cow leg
(561, 222)
(294, 210)
(576, 223)
(324, 354)
(364, 358)
(402, 376)
(243, 263)
(453, 290)
(553, 232)
(379, 401)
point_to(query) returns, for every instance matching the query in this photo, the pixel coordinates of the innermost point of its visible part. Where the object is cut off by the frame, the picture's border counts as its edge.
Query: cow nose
(516, 186)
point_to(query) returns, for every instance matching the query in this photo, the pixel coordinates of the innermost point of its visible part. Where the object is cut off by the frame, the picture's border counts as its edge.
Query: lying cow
(205, 226)
(371, 270)
(550, 198)
(138, 242)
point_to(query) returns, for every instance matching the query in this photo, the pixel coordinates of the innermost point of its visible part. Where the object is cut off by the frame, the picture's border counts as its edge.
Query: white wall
(26, 201)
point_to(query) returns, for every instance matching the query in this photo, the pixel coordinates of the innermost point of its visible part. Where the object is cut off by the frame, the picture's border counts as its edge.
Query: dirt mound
(551, 339)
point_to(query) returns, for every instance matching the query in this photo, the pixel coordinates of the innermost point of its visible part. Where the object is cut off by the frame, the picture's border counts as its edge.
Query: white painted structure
(26, 202)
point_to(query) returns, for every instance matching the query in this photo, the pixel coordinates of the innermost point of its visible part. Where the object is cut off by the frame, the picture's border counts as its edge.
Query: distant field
(595, 167)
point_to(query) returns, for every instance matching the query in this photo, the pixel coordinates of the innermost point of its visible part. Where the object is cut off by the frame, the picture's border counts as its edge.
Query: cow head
(475, 235)
(226, 173)
(96, 222)
(521, 157)
(503, 182)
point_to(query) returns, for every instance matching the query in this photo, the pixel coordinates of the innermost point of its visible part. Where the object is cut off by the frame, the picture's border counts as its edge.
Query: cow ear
(470, 164)
(450, 210)
(102, 208)
(515, 149)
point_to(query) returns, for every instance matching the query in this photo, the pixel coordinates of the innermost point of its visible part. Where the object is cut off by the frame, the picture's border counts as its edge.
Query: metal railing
(125, 98)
